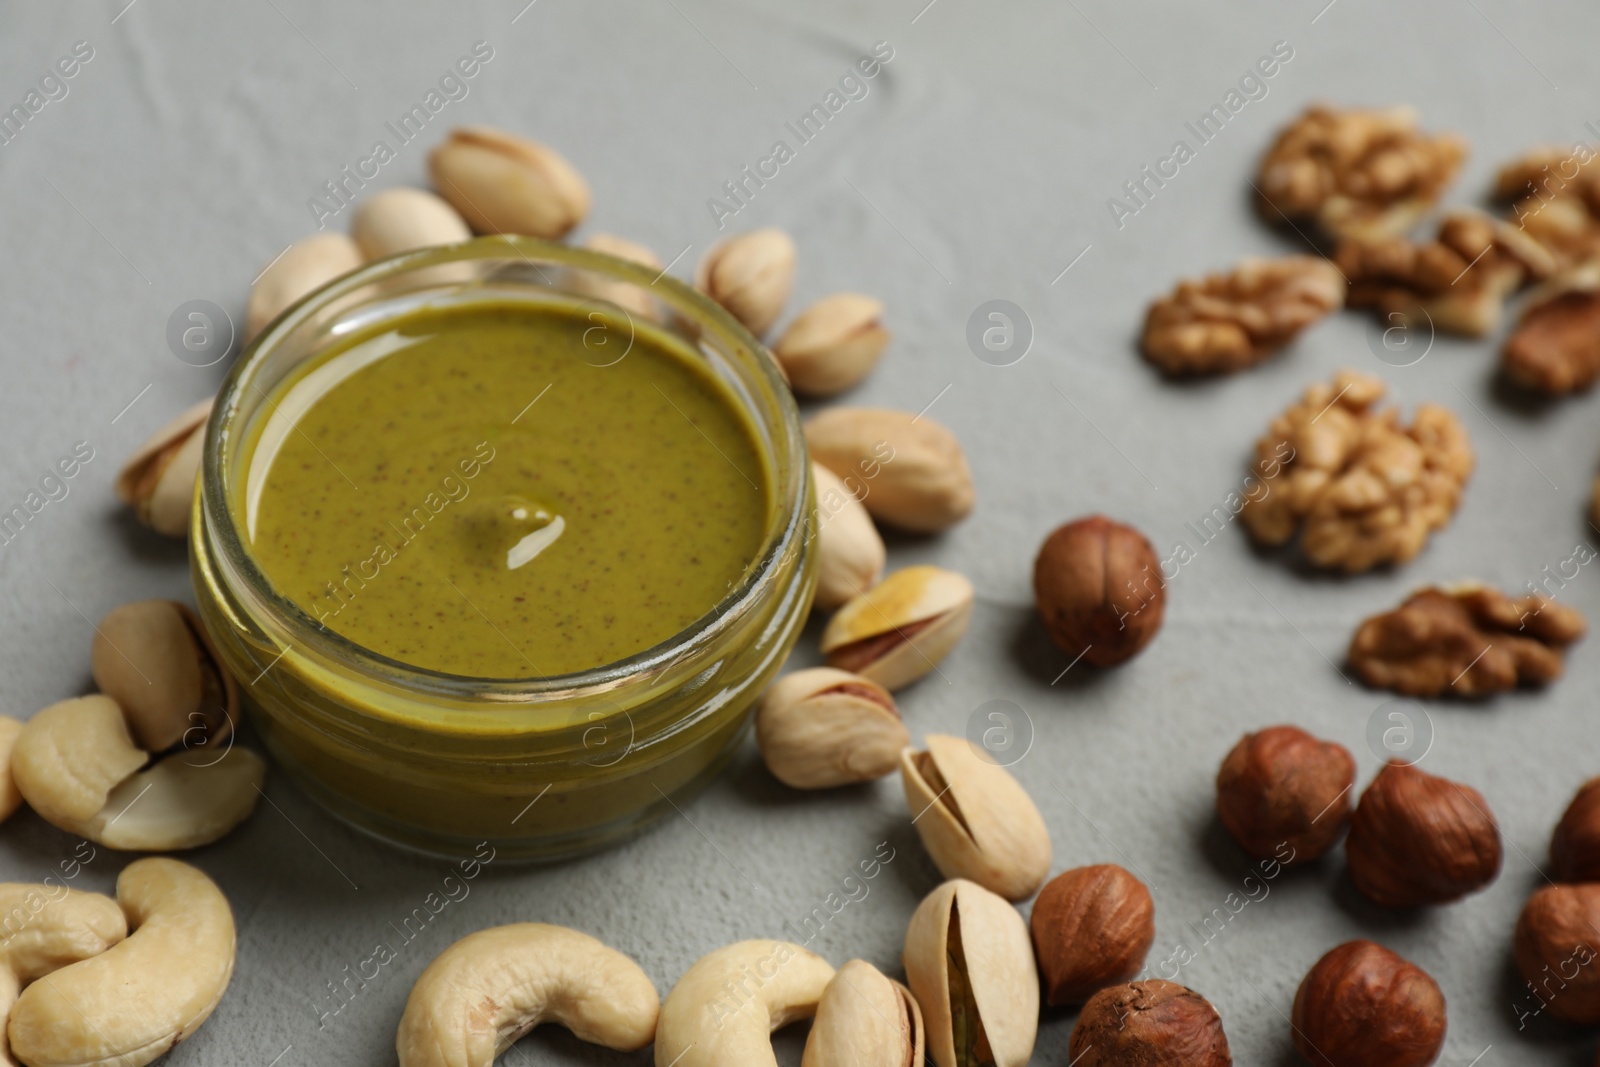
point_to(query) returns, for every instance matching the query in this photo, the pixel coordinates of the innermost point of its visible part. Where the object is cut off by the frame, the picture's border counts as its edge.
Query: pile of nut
(1356, 486)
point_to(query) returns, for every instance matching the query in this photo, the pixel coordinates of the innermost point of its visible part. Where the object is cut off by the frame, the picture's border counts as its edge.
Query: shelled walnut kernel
(1468, 641)
(1360, 489)
(1458, 282)
(1357, 173)
(1227, 322)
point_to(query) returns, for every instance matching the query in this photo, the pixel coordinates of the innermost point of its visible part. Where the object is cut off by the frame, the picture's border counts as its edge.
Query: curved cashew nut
(723, 1011)
(133, 1002)
(43, 928)
(69, 757)
(77, 765)
(490, 988)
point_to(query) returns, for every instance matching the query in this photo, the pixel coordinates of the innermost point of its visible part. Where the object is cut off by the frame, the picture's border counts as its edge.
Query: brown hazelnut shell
(1149, 1024)
(1099, 590)
(1575, 845)
(1362, 1004)
(1419, 839)
(1557, 940)
(1092, 927)
(1283, 787)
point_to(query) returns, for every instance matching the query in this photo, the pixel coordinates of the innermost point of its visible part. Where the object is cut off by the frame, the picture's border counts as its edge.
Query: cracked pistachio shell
(822, 727)
(970, 966)
(400, 220)
(502, 183)
(307, 264)
(832, 344)
(750, 275)
(631, 298)
(158, 481)
(865, 1020)
(976, 821)
(850, 551)
(914, 470)
(901, 628)
(155, 660)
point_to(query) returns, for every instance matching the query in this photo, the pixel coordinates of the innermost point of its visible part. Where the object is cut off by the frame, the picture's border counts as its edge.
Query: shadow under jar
(503, 540)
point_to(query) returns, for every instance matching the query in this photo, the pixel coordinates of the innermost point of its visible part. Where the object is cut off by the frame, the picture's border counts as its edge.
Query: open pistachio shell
(865, 1020)
(158, 480)
(970, 966)
(822, 727)
(975, 819)
(901, 628)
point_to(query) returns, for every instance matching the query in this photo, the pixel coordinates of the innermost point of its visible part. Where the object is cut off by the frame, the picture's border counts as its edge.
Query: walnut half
(1227, 322)
(1357, 173)
(1459, 281)
(1556, 346)
(1555, 199)
(1469, 641)
(1359, 488)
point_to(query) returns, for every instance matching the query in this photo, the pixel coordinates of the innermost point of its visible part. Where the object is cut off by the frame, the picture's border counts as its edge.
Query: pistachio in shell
(159, 478)
(308, 264)
(749, 274)
(974, 818)
(850, 551)
(502, 183)
(399, 220)
(901, 628)
(821, 727)
(865, 1020)
(914, 469)
(970, 966)
(626, 295)
(833, 344)
(155, 659)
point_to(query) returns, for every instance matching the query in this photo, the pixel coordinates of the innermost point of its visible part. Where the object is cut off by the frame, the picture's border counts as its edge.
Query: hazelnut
(1575, 846)
(1364, 1006)
(1281, 786)
(1099, 589)
(1557, 939)
(1152, 1022)
(1092, 927)
(1418, 839)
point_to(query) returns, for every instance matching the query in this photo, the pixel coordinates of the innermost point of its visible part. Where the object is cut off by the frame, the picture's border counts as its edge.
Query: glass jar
(542, 768)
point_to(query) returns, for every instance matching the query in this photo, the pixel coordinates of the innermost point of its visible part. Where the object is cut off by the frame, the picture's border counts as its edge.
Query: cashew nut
(725, 1008)
(134, 1001)
(71, 755)
(76, 764)
(483, 993)
(10, 795)
(43, 928)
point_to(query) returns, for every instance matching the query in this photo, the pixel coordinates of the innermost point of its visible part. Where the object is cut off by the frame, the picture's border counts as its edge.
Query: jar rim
(790, 469)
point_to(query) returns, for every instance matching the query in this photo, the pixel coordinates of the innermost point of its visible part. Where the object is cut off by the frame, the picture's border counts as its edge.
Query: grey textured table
(978, 166)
